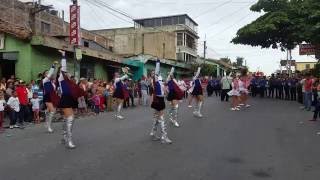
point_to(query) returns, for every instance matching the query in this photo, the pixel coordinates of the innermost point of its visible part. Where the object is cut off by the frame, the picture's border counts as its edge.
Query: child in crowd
(2, 106)
(14, 107)
(35, 102)
(96, 102)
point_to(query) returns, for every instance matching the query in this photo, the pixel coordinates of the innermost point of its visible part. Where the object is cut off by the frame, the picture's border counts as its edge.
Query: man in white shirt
(14, 106)
(225, 86)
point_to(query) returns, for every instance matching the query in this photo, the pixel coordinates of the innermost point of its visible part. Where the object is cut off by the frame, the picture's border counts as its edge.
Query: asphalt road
(271, 140)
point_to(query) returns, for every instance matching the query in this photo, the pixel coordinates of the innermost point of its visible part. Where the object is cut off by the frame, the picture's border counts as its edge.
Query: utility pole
(205, 47)
(290, 63)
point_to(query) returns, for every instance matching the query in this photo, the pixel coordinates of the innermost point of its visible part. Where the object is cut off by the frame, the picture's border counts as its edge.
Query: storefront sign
(307, 49)
(75, 25)
(1, 41)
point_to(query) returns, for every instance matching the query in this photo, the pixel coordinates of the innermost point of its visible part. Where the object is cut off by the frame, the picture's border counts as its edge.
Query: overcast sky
(218, 21)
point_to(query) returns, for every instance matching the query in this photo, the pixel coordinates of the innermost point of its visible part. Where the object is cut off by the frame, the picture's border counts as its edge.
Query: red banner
(75, 25)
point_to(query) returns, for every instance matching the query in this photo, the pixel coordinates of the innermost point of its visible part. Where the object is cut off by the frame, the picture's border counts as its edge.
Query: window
(182, 20)
(175, 20)
(45, 28)
(166, 21)
(180, 56)
(111, 48)
(149, 23)
(85, 43)
(157, 22)
(307, 66)
(179, 39)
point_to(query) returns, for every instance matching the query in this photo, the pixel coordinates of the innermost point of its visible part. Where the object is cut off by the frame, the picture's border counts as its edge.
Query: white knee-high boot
(69, 126)
(174, 110)
(49, 117)
(154, 129)
(200, 104)
(118, 113)
(64, 132)
(164, 134)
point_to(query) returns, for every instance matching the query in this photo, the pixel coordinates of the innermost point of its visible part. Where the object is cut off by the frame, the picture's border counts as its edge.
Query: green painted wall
(23, 65)
(100, 71)
(42, 58)
(33, 60)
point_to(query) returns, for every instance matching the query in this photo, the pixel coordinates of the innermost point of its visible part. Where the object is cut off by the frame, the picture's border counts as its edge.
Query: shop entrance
(8, 64)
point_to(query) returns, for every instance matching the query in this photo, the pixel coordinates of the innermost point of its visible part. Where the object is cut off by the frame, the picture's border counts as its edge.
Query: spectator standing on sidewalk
(9, 91)
(226, 82)
(14, 108)
(307, 87)
(144, 90)
(35, 102)
(22, 94)
(110, 89)
(317, 103)
(3, 84)
(2, 105)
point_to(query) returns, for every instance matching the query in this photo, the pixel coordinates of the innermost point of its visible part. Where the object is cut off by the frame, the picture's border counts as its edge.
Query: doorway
(8, 64)
(7, 68)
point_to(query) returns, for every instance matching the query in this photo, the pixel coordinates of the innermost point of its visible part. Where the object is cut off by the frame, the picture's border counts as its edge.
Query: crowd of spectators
(21, 103)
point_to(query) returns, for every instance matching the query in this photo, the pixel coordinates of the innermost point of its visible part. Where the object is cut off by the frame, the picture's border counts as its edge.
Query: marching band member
(235, 93)
(70, 92)
(197, 93)
(158, 104)
(244, 84)
(120, 92)
(50, 97)
(175, 94)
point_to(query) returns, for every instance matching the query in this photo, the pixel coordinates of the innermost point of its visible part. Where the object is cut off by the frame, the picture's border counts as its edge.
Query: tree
(284, 24)
(239, 61)
(206, 69)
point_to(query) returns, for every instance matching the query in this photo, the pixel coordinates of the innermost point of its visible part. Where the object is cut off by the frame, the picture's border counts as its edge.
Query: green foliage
(284, 24)
(206, 69)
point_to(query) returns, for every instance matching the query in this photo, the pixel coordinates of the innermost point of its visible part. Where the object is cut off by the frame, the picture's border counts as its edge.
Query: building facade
(169, 37)
(303, 66)
(30, 36)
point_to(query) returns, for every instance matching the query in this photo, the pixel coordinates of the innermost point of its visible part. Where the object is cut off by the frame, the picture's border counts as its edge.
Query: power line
(233, 24)
(211, 9)
(191, 3)
(113, 9)
(228, 15)
(96, 17)
(99, 5)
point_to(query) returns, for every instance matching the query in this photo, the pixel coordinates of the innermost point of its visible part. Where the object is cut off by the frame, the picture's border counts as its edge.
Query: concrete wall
(130, 41)
(160, 44)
